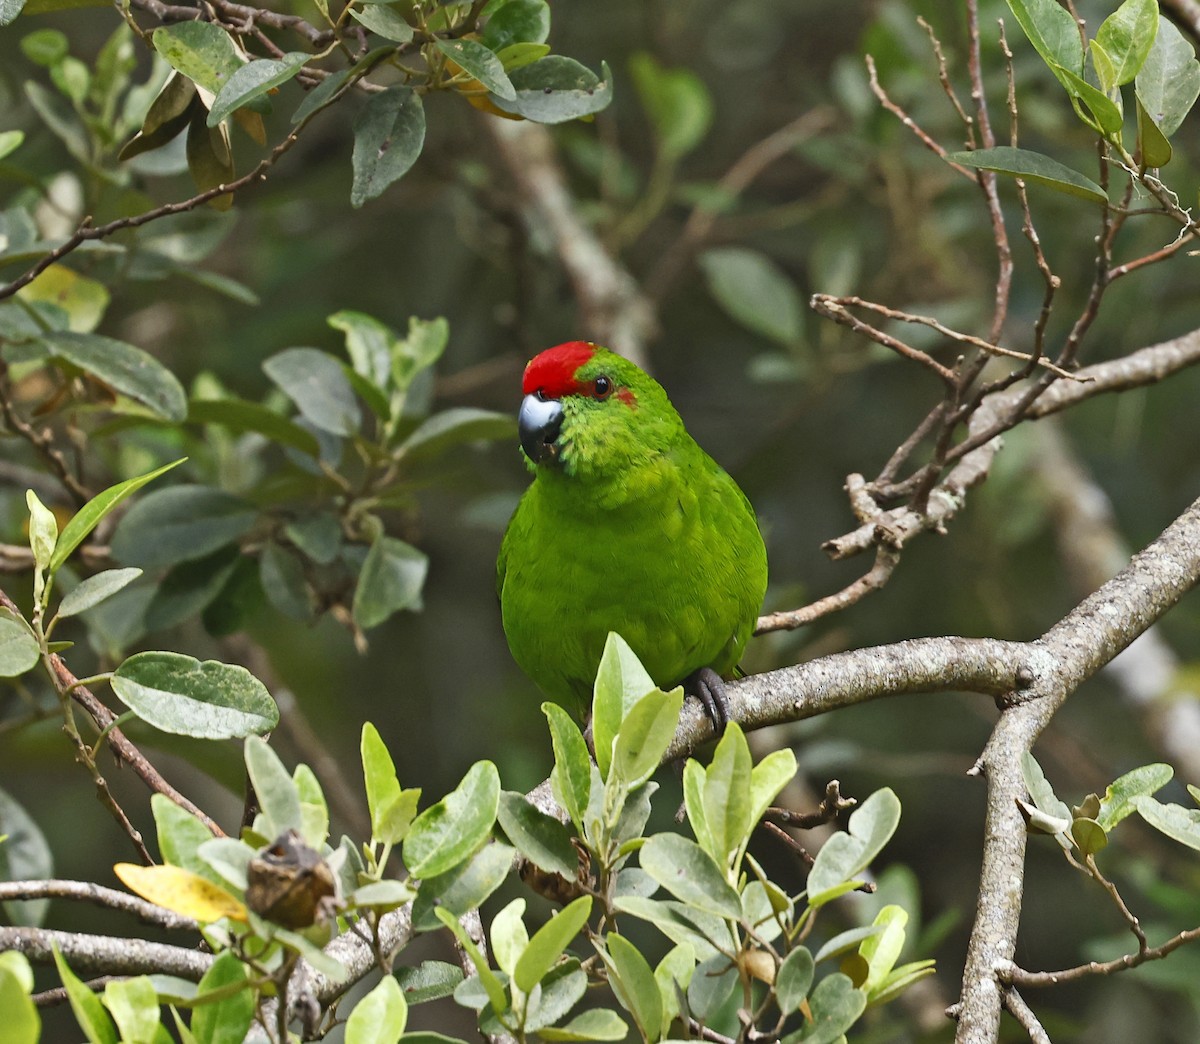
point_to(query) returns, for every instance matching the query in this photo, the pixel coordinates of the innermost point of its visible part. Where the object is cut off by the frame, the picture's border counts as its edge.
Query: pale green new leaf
(549, 942)
(634, 983)
(1126, 37)
(88, 517)
(845, 855)
(449, 831)
(1118, 800)
(278, 795)
(380, 1017)
(621, 681)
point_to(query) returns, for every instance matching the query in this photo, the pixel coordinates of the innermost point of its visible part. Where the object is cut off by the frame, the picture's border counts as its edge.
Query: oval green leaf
(448, 832)
(1031, 166)
(208, 700)
(389, 134)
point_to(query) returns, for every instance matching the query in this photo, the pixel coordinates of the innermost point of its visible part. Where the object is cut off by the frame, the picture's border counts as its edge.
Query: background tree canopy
(336, 348)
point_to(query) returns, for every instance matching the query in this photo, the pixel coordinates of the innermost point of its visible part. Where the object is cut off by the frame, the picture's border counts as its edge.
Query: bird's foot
(709, 688)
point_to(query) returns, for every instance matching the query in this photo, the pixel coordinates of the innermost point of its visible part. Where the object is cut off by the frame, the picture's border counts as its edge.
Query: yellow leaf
(180, 891)
(83, 300)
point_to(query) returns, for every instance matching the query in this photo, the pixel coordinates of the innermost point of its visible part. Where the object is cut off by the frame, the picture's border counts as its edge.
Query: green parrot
(628, 526)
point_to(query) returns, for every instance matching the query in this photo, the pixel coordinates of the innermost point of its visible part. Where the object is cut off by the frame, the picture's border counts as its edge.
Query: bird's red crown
(553, 371)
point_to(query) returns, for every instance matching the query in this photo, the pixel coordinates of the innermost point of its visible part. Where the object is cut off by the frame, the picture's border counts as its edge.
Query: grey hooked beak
(538, 424)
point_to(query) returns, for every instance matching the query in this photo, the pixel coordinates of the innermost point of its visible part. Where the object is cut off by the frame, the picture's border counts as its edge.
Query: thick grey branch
(105, 954)
(1072, 651)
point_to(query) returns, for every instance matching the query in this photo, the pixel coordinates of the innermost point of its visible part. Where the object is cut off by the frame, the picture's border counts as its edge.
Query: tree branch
(105, 954)
(98, 895)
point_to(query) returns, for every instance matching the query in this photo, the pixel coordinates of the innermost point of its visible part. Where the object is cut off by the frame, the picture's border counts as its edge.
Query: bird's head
(588, 411)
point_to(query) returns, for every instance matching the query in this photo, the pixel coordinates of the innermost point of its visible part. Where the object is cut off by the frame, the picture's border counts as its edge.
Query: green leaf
(1169, 81)
(1053, 33)
(695, 779)
(391, 579)
(1126, 37)
(43, 530)
(1178, 823)
(189, 587)
(448, 832)
(385, 20)
(689, 873)
(711, 986)
(24, 856)
(225, 861)
(598, 1024)
(844, 942)
(572, 775)
(202, 51)
(420, 349)
(1106, 116)
(478, 61)
(1153, 147)
(794, 979)
(428, 981)
(683, 925)
(509, 937)
(380, 1017)
(180, 835)
(168, 114)
(621, 681)
(392, 809)
(314, 381)
(673, 974)
(517, 22)
(542, 839)
(95, 589)
(634, 984)
(644, 736)
(10, 140)
(556, 89)
(254, 80)
(284, 583)
(239, 415)
(558, 992)
(844, 856)
(124, 368)
(1040, 790)
(1033, 167)
(518, 55)
(767, 779)
(549, 943)
(882, 950)
(85, 1005)
(278, 795)
(208, 700)
(755, 292)
(487, 977)
(455, 426)
(19, 649)
(1089, 836)
(88, 517)
(677, 102)
(389, 134)
(836, 1006)
(209, 154)
(1118, 800)
(727, 796)
(464, 887)
(133, 1004)
(318, 536)
(226, 1021)
(383, 896)
(321, 95)
(22, 1023)
(181, 524)
(369, 343)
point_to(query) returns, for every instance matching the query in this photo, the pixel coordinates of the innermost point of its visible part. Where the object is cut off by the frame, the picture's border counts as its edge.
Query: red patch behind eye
(553, 372)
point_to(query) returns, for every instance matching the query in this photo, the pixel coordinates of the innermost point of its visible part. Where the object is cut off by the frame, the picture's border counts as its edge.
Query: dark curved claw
(708, 687)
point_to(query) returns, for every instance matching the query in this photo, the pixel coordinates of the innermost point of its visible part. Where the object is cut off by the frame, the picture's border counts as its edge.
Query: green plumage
(633, 528)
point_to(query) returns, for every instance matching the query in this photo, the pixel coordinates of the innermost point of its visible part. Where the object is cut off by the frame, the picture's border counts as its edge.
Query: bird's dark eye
(602, 387)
